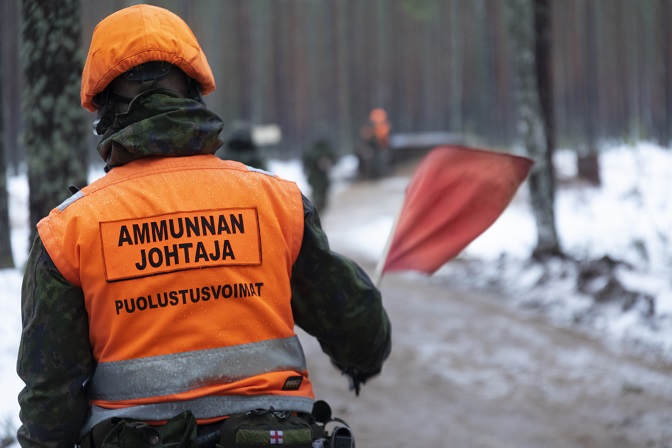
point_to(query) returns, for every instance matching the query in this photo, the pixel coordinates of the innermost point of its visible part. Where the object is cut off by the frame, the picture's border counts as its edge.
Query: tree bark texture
(55, 130)
(6, 258)
(528, 53)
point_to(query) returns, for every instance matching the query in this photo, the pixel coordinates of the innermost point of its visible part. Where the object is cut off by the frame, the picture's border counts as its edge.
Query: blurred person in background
(374, 151)
(240, 146)
(318, 160)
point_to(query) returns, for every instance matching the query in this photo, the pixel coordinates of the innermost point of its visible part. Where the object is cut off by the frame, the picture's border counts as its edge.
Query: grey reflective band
(259, 170)
(157, 376)
(70, 200)
(202, 408)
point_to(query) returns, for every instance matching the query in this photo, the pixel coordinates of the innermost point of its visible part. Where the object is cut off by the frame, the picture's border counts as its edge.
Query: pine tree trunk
(6, 258)
(534, 126)
(456, 122)
(55, 127)
(10, 25)
(346, 140)
(588, 160)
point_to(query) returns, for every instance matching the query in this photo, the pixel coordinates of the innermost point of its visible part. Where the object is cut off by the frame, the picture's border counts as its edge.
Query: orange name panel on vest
(166, 243)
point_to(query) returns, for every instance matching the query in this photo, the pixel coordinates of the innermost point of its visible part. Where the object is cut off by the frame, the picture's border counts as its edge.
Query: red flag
(455, 194)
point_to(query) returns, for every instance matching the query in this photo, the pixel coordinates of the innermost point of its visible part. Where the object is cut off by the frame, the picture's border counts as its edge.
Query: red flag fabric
(455, 194)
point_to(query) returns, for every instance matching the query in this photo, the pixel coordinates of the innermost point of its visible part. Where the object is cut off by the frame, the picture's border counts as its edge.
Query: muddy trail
(468, 370)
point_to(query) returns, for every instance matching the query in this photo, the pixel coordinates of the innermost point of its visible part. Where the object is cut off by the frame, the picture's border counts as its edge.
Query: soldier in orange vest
(374, 152)
(171, 286)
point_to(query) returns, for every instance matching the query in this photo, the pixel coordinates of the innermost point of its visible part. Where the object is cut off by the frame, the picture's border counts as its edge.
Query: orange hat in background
(378, 115)
(139, 34)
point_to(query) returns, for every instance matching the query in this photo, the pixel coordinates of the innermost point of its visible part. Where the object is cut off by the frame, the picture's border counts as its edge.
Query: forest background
(317, 67)
(521, 75)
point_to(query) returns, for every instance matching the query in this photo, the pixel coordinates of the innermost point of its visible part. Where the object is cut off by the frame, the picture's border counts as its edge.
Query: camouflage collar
(159, 123)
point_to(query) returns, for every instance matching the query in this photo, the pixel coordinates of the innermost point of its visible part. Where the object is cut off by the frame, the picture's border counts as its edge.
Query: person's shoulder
(263, 171)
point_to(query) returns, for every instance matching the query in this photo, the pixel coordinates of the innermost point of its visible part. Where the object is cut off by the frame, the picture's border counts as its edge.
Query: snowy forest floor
(493, 350)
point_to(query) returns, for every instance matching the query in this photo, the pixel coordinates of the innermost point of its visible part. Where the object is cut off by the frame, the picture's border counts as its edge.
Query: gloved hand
(356, 378)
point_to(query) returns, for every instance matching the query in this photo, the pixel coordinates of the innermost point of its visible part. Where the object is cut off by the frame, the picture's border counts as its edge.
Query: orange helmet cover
(139, 34)
(378, 115)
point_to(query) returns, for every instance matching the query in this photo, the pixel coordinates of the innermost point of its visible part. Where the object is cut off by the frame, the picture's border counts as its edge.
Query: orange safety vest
(187, 287)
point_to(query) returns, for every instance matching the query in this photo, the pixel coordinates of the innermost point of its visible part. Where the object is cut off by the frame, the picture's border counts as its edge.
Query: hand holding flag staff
(455, 194)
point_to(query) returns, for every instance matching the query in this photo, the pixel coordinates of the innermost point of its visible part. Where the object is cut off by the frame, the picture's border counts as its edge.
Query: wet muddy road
(467, 370)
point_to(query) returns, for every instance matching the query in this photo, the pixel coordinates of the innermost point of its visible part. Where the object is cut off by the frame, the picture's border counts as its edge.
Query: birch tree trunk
(533, 126)
(55, 126)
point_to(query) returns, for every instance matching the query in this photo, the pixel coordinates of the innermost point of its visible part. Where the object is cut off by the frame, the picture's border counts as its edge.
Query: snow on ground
(627, 219)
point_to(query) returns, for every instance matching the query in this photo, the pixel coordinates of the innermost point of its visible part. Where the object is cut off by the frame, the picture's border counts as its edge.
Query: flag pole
(378, 273)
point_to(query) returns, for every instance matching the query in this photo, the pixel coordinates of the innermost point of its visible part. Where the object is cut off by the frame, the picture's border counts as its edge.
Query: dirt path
(469, 371)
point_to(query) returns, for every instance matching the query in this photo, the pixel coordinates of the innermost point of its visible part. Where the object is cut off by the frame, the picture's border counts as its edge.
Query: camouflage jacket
(332, 298)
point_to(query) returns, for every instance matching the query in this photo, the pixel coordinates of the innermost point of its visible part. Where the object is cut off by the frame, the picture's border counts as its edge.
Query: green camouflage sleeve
(54, 358)
(335, 301)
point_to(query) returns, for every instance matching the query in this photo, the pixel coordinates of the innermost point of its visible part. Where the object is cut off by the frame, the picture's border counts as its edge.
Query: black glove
(356, 378)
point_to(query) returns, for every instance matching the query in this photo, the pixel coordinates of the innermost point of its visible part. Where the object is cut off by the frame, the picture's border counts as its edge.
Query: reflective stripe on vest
(176, 373)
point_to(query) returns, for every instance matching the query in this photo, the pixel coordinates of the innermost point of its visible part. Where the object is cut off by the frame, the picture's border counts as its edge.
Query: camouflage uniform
(374, 150)
(332, 298)
(317, 162)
